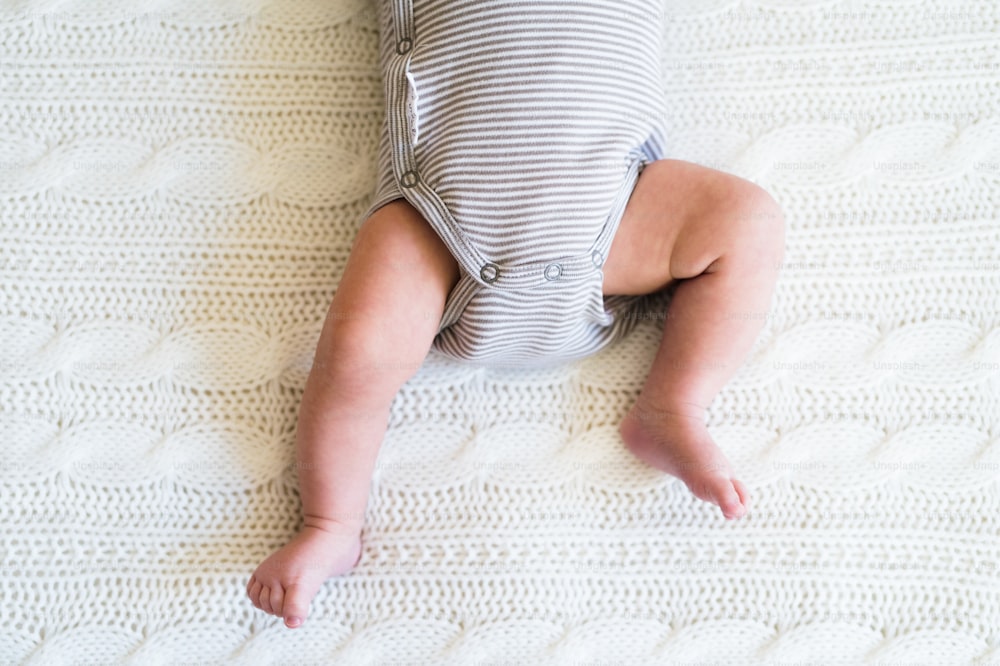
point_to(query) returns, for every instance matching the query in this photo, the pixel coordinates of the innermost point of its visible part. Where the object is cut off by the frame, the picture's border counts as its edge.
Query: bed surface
(178, 194)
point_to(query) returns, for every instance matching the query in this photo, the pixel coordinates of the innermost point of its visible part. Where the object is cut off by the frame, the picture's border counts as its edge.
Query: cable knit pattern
(179, 189)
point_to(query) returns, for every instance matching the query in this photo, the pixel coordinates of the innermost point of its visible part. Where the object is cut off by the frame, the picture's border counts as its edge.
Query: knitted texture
(178, 194)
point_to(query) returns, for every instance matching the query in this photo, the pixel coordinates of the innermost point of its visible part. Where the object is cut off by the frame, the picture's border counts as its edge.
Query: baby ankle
(670, 410)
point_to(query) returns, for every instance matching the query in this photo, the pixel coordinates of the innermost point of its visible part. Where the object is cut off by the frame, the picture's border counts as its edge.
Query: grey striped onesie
(518, 129)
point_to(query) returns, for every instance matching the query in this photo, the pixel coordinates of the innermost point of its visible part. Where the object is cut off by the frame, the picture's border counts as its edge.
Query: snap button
(404, 45)
(553, 271)
(410, 179)
(490, 273)
(597, 258)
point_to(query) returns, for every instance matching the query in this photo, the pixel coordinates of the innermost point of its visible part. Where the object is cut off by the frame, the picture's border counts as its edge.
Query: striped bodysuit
(518, 129)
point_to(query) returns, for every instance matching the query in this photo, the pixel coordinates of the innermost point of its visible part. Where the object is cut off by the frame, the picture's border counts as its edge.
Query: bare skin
(719, 237)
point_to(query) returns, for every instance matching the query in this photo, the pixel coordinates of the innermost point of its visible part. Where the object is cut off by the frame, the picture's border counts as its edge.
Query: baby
(524, 208)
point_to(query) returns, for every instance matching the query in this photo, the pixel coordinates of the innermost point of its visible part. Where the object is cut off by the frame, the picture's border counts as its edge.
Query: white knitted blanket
(179, 188)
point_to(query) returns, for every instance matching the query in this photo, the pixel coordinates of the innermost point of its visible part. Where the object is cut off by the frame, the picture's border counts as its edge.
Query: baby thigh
(389, 303)
(681, 218)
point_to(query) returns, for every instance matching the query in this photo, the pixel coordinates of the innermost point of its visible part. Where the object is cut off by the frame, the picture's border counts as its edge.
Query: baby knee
(760, 228)
(363, 359)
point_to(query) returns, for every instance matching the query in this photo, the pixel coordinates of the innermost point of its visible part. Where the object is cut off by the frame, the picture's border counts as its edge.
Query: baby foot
(287, 581)
(679, 444)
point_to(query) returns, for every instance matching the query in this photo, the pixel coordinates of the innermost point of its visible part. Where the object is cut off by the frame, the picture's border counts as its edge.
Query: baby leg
(722, 238)
(377, 332)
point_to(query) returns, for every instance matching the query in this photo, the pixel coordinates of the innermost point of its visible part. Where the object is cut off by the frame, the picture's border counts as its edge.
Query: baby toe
(254, 594)
(265, 599)
(720, 491)
(277, 599)
(295, 605)
(741, 490)
(729, 500)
